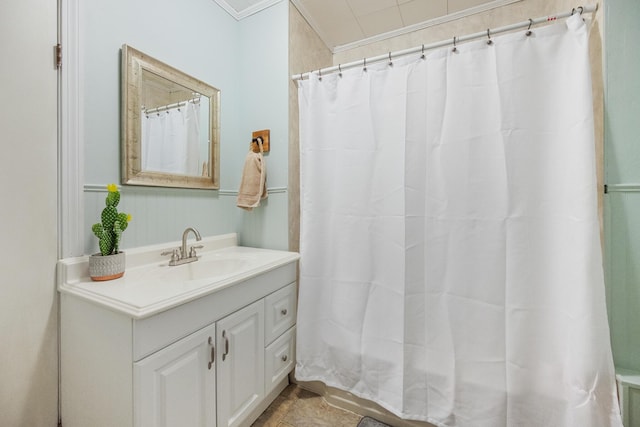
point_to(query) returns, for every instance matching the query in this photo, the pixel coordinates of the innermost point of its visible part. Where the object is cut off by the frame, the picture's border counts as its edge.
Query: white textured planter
(107, 267)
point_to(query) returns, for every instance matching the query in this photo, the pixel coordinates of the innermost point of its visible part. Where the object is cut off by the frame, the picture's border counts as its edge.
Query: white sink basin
(204, 268)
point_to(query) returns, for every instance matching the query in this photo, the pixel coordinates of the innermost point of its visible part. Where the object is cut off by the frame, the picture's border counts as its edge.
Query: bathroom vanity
(209, 343)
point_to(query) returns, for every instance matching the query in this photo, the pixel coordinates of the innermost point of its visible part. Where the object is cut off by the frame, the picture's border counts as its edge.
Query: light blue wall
(264, 71)
(622, 174)
(201, 39)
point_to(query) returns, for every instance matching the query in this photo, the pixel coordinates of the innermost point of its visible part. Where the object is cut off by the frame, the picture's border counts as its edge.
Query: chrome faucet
(183, 249)
(182, 256)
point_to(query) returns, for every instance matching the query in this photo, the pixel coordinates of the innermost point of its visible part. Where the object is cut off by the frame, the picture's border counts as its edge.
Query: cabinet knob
(284, 311)
(284, 357)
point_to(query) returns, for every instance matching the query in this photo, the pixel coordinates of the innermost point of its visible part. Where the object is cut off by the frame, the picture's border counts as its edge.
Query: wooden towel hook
(264, 134)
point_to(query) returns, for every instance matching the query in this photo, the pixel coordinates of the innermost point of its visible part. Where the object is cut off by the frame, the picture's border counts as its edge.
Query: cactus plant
(109, 230)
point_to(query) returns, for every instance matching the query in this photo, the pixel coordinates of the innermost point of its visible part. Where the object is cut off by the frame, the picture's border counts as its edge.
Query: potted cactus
(109, 263)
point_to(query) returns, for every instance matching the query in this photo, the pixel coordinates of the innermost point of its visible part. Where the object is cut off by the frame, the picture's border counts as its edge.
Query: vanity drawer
(279, 359)
(280, 312)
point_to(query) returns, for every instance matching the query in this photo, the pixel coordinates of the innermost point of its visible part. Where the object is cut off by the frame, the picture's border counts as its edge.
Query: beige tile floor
(296, 407)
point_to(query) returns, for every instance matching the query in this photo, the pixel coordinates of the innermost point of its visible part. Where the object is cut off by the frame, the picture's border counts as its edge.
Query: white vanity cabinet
(177, 385)
(217, 357)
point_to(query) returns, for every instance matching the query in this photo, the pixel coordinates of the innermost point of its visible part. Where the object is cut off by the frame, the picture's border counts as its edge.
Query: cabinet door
(176, 387)
(240, 364)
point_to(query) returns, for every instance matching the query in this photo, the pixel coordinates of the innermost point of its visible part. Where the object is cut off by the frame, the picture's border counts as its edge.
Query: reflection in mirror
(170, 125)
(172, 139)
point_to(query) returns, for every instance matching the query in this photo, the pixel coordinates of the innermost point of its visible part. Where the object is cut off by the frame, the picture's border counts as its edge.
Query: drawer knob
(284, 311)
(284, 357)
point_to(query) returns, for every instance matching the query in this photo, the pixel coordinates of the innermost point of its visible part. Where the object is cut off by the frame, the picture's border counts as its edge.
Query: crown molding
(247, 11)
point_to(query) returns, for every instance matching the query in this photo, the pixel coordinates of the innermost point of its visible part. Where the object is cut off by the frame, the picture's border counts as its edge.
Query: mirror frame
(133, 64)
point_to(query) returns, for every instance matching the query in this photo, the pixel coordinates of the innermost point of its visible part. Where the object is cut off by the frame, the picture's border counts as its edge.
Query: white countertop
(150, 285)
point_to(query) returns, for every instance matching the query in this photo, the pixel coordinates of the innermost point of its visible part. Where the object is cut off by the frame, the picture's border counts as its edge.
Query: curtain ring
(489, 36)
(339, 70)
(422, 57)
(390, 61)
(364, 64)
(455, 49)
(529, 32)
(319, 74)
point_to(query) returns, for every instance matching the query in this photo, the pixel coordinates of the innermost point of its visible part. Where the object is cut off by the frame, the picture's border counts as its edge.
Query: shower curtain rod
(452, 42)
(170, 106)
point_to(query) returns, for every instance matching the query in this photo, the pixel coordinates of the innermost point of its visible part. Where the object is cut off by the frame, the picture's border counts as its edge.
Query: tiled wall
(306, 52)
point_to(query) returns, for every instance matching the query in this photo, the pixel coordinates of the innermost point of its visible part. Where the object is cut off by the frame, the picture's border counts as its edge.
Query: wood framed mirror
(170, 125)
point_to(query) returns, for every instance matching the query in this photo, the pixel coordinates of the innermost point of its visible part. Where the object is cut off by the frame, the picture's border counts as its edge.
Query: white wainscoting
(161, 215)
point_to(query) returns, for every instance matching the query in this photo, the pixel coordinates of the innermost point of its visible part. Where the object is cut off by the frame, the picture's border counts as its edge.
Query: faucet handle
(174, 255)
(192, 251)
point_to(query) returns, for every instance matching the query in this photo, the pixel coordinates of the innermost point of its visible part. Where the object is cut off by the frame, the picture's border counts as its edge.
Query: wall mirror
(170, 125)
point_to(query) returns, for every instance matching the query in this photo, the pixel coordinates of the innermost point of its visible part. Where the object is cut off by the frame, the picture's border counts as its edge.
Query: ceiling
(343, 24)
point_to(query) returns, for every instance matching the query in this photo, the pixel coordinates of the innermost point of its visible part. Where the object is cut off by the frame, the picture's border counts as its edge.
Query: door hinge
(57, 53)
(606, 189)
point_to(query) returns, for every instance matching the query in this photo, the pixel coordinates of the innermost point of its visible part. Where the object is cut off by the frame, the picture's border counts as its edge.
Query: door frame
(70, 133)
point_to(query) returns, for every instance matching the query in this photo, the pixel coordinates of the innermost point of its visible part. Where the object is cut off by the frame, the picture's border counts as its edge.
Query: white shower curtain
(170, 140)
(451, 265)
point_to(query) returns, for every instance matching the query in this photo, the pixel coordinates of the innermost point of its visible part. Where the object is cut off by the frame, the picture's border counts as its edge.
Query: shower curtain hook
(364, 64)
(390, 61)
(320, 74)
(489, 36)
(455, 49)
(339, 70)
(529, 32)
(422, 57)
